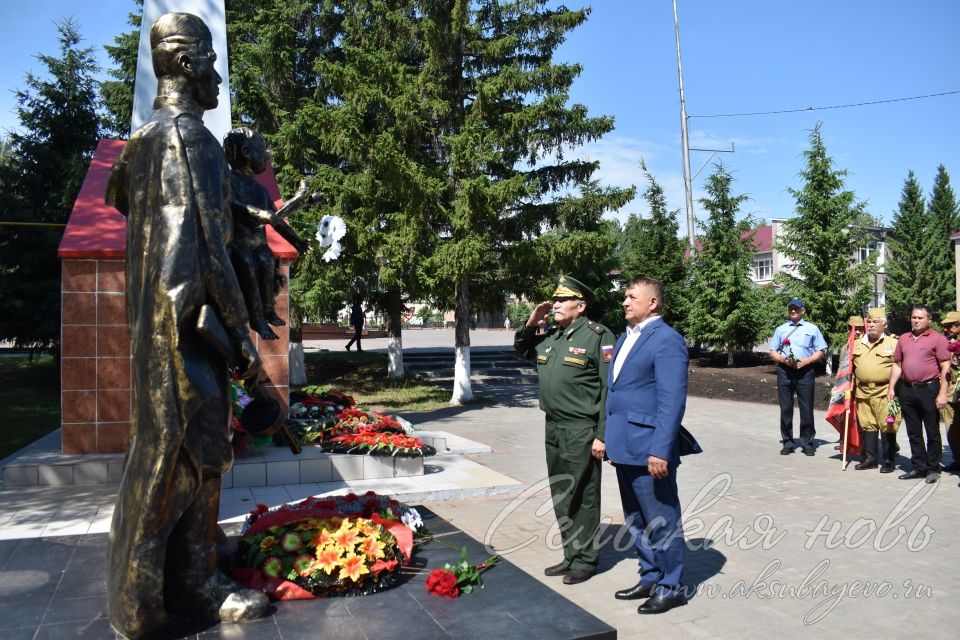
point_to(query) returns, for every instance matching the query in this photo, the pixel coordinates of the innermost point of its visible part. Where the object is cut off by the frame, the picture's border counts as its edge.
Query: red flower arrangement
(349, 429)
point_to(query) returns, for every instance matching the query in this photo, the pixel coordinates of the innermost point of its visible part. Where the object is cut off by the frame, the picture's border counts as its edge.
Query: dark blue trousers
(652, 512)
(799, 382)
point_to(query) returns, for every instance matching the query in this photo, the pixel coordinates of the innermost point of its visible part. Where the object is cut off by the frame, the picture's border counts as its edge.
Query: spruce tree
(385, 183)
(117, 94)
(943, 221)
(651, 246)
(724, 301)
(822, 242)
(502, 124)
(909, 275)
(49, 154)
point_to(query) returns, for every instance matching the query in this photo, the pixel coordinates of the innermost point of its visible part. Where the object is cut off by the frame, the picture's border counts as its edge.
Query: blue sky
(739, 56)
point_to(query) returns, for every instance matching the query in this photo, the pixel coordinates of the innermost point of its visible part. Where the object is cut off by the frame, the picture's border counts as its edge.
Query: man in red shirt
(921, 364)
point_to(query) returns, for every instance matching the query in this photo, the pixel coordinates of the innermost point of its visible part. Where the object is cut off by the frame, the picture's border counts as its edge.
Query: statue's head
(245, 148)
(182, 47)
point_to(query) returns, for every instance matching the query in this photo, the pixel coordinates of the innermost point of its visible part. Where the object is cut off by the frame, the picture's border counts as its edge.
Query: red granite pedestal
(96, 382)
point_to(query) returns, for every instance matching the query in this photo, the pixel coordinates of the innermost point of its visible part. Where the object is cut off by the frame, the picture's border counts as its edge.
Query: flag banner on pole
(841, 400)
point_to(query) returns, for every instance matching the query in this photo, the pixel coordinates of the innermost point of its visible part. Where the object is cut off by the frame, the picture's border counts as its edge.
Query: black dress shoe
(866, 464)
(886, 467)
(561, 569)
(786, 451)
(636, 592)
(912, 475)
(661, 604)
(576, 576)
(808, 451)
(953, 467)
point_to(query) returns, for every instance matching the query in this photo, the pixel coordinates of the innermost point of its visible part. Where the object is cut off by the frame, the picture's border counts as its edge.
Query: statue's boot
(261, 326)
(194, 586)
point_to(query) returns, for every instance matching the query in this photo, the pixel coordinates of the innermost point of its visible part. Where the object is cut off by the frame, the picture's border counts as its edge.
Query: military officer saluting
(872, 363)
(572, 361)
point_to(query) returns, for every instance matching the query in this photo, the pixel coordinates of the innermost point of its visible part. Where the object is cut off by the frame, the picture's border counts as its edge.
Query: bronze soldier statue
(188, 325)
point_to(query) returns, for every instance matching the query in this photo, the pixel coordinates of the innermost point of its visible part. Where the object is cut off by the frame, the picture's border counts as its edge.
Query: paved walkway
(778, 546)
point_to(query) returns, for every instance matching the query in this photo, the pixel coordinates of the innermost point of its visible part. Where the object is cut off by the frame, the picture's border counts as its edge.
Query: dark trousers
(651, 509)
(799, 382)
(920, 412)
(357, 332)
(575, 487)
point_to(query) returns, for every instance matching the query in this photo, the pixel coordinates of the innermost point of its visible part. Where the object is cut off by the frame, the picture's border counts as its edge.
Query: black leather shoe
(561, 569)
(912, 475)
(953, 467)
(786, 451)
(886, 467)
(932, 477)
(636, 592)
(866, 464)
(661, 604)
(808, 451)
(576, 576)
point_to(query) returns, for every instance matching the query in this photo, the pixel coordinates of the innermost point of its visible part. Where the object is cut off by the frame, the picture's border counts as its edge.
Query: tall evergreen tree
(275, 89)
(724, 302)
(943, 221)
(822, 241)
(385, 183)
(909, 276)
(59, 126)
(651, 246)
(117, 94)
(502, 125)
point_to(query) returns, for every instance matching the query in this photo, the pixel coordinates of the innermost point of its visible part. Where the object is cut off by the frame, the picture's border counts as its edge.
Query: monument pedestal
(96, 372)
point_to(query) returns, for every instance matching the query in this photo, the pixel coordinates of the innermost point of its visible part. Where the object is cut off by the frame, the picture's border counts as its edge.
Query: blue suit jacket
(645, 404)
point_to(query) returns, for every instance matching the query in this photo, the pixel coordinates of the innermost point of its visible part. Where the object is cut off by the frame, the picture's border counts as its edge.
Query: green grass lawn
(29, 400)
(364, 376)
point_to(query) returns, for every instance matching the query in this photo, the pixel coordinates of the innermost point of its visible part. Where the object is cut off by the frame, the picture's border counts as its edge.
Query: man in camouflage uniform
(572, 361)
(872, 362)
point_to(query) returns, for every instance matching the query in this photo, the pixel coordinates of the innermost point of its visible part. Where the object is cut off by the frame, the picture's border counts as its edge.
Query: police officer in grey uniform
(572, 361)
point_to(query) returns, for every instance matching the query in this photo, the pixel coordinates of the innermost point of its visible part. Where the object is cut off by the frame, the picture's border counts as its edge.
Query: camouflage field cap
(568, 287)
(952, 317)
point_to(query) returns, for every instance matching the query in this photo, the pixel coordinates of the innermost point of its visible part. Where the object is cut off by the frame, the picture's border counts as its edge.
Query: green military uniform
(572, 366)
(872, 364)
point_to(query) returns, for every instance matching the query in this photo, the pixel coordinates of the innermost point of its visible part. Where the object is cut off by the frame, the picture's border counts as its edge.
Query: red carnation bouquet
(454, 579)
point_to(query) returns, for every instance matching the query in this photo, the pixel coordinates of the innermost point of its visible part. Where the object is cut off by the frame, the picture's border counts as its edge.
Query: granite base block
(56, 588)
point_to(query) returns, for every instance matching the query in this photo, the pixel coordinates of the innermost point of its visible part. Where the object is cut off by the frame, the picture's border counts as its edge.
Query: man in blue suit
(646, 398)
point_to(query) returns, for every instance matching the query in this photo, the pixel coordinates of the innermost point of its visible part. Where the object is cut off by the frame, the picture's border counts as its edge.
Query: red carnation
(442, 583)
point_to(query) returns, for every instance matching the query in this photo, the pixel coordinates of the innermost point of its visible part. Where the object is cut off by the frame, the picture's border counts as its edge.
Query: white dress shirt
(632, 334)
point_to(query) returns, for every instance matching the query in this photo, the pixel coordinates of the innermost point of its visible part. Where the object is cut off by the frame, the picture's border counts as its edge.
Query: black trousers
(357, 332)
(919, 406)
(799, 382)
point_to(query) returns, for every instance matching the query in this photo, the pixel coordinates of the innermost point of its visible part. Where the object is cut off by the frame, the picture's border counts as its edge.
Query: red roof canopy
(96, 230)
